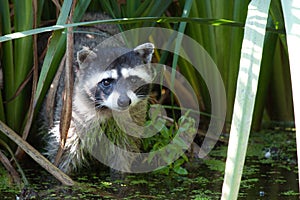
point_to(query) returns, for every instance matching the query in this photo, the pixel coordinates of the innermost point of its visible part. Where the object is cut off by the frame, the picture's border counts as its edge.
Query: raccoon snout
(124, 101)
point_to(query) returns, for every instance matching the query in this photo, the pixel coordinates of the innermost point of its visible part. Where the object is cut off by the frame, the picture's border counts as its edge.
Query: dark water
(270, 172)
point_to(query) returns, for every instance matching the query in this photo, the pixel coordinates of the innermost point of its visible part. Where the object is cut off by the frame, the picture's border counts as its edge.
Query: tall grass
(17, 64)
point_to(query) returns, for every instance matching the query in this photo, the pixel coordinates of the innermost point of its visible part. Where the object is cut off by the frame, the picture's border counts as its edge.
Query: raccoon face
(114, 78)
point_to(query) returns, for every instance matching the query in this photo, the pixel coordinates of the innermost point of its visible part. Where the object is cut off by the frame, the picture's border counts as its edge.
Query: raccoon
(104, 88)
(110, 80)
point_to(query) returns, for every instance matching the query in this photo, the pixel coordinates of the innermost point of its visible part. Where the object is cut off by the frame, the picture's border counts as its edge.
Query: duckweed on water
(204, 179)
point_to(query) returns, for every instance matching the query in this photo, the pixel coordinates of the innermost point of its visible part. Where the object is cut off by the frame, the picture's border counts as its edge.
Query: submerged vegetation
(220, 27)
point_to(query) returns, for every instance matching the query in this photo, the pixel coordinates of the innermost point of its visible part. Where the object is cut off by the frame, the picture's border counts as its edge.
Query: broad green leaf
(180, 170)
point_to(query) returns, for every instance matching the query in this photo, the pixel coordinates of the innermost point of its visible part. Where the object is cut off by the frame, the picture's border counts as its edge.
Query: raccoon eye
(106, 82)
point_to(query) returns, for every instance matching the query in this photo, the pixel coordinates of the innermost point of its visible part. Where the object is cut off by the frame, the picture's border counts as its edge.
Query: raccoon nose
(124, 101)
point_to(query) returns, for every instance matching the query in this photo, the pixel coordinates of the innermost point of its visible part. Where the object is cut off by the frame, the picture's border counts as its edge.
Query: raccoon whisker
(142, 96)
(93, 103)
(99, 108)
(99, 105)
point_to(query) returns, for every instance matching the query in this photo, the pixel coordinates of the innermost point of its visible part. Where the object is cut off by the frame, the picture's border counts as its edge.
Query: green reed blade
(56, 49)
(264, 77)
(7, 58)
(23, 20)
(247, 83)
(291, 19)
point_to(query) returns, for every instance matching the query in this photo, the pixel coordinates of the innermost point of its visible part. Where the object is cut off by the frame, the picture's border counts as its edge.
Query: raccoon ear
(145, 51)
(85, 55)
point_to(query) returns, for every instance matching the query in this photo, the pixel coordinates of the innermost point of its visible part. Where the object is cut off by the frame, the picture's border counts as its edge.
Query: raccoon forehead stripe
(109, 74)
(137, 71)
(95, 78)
